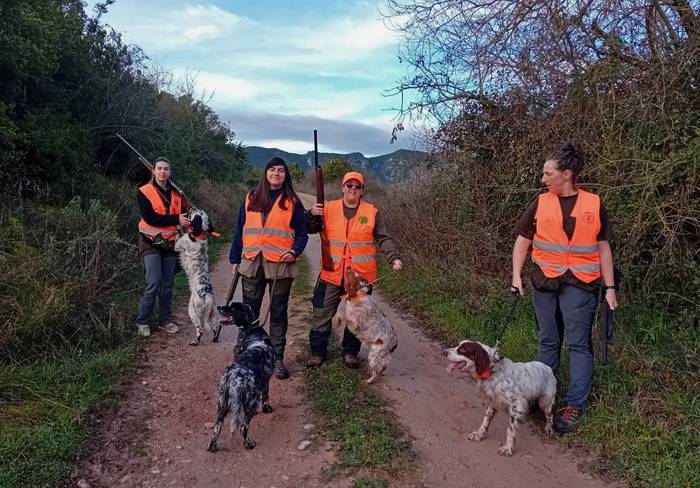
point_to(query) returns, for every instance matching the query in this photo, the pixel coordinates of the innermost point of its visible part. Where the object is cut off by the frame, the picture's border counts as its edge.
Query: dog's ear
(197, 225)
(476, 353)
(352, 282)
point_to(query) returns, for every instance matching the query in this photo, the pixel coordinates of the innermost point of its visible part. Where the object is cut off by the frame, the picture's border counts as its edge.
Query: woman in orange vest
(162, 210)
(269, 237)
(569, 232)
(351, 226)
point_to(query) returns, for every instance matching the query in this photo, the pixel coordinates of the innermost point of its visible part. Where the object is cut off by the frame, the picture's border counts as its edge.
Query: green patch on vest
(363, 219)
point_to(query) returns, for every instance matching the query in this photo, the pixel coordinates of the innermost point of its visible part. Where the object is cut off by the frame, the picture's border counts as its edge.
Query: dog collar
(483, 376)
(357, 296)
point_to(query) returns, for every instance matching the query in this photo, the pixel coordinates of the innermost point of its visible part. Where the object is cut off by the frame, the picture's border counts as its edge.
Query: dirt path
(156, 435)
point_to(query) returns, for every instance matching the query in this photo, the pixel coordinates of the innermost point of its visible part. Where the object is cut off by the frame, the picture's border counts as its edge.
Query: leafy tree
(335, 169)
(296, 172)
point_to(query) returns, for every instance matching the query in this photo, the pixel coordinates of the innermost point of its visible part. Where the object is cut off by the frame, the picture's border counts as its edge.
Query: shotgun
(326, 259)
(149, 167)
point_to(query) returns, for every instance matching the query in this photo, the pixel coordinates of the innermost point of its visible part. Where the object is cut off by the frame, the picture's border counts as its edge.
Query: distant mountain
(386, 167)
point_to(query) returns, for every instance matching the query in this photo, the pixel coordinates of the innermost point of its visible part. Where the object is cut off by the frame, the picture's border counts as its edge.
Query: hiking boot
(170, 328)
(315, 361)
(281, 371)
(143, 330)
(351, 361)
(567, 419)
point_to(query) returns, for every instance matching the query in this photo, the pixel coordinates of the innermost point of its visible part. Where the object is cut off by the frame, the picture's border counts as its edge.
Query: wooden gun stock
(326, 258)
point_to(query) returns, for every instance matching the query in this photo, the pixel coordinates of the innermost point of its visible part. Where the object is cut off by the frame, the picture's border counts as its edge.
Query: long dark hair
(260, 197)
(569, 157)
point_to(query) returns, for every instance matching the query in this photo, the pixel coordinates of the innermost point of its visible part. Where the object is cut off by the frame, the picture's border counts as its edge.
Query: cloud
(156, 28)
(294, 133)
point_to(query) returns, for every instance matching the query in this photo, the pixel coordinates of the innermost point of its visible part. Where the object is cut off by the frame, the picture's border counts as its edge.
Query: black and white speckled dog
(192, 248)
(247, 381)
(506, 383)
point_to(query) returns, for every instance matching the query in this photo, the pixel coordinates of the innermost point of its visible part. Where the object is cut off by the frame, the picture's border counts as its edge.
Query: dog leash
(384, 276)
(229, 297)
(509, 317)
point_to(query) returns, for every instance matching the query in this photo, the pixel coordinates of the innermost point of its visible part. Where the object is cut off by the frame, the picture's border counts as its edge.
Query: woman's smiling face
(275, 176)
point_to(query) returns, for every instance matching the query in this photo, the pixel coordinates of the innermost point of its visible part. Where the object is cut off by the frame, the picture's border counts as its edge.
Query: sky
(277, 70)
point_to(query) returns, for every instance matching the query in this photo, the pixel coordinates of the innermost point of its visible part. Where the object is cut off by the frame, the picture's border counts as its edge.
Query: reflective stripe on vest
(274, 238)
(153, 195)
(351, 242)
(553, 252)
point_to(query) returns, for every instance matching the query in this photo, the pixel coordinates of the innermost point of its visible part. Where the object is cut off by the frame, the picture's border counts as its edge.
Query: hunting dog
(505, 383)
(192, 248)
(247, 381)
(365, 319)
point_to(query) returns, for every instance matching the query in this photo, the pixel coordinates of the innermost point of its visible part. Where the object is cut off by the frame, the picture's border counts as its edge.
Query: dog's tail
(221, 410)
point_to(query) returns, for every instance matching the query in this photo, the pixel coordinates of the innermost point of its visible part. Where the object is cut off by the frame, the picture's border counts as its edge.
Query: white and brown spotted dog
(365, 319)
(192, 248)
(505, 383)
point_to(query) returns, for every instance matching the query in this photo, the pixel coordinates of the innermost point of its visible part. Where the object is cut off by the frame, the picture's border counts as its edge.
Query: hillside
(385, 167)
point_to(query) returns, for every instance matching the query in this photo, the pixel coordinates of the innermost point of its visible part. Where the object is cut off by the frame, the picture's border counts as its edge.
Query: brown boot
(351, 361)
(314, 362)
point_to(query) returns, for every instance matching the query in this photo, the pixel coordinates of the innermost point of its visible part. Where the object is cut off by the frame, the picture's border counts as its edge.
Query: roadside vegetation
(71, 277)
(507, 83)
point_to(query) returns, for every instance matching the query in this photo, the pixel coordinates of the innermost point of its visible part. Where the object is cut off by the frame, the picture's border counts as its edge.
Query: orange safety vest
(351, 242)
(553, 252)
(170, 232)
(274, 238)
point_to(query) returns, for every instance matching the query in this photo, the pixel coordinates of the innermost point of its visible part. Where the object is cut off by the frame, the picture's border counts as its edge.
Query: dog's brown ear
(352, 284)
(476, 353)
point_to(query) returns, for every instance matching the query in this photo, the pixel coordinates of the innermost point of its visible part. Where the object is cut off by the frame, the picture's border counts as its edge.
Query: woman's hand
(611, 298)
(397, 265)
(288, 257)
(517, 285)
(184, 221)
(234, 268)
(317, 210)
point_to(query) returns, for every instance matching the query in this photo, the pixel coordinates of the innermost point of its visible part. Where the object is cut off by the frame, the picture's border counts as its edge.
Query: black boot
(281, 372)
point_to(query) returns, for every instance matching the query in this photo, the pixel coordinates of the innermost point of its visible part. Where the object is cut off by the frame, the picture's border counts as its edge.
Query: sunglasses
(352, 186)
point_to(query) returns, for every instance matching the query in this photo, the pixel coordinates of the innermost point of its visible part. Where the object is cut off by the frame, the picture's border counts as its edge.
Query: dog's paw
(505, 451)
(475, 436)
(549, 429)
(212, 446)
(195, 341)
(249, 444)
(267, 409)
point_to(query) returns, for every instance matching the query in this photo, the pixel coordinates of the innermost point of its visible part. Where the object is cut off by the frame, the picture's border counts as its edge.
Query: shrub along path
(156, 436)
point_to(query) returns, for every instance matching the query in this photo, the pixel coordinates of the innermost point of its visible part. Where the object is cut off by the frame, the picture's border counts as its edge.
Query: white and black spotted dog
(192, 248)
(247, 381)
(505, 383)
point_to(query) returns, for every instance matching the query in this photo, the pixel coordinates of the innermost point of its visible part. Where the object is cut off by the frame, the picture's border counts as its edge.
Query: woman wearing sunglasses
(354, 229)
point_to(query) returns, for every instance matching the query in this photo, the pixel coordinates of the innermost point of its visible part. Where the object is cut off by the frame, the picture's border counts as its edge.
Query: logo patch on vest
(363, 219)
(588, 217)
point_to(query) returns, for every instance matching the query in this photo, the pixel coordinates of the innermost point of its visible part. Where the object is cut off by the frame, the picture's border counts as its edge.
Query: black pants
(253, 293)
(325, 300)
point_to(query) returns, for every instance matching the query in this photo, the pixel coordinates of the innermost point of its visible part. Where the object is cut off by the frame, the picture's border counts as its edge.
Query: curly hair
(569, 157)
